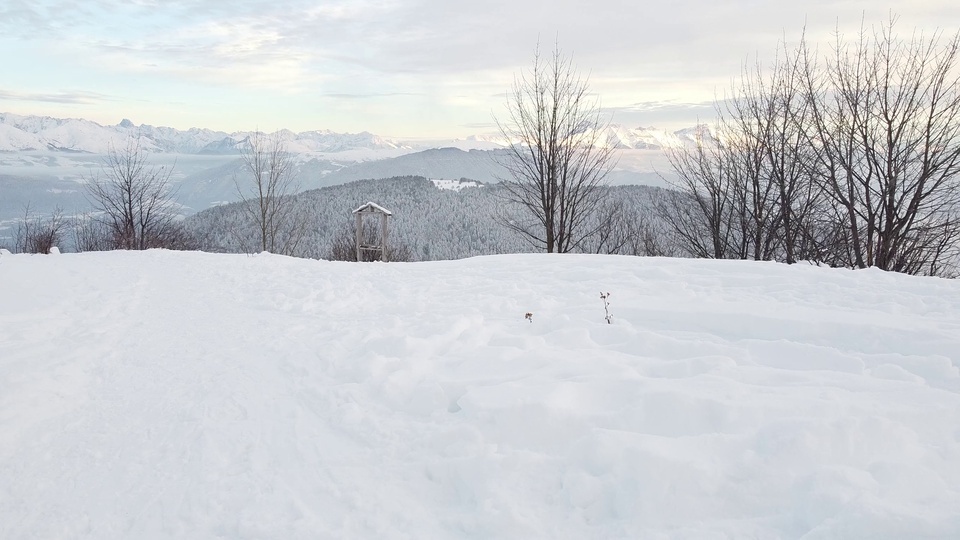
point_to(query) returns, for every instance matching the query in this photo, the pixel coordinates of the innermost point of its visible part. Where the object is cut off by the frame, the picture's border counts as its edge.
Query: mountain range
(43, 133)
(44, 160)
(34, 133)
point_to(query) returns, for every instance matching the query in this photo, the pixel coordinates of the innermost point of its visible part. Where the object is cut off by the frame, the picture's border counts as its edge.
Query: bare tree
(886, 122)
(704, 210)
(852, 159)
(755, 125)
(623, 227)
(91, 234)
(268, 196)
(39, 234)
(612, 228)
(558, 158)
(135, 200)
(746, 192)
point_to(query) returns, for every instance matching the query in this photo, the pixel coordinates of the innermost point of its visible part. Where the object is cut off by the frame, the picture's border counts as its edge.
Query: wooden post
(383, 237)
(359, 235)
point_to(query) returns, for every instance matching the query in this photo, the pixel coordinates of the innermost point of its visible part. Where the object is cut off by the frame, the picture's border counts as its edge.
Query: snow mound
(455, 184)
(189, 395)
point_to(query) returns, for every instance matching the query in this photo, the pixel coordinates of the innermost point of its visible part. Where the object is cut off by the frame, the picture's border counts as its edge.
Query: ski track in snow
(189, 395)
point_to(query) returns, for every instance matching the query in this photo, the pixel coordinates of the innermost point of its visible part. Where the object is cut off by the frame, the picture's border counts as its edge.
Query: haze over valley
(45, 162)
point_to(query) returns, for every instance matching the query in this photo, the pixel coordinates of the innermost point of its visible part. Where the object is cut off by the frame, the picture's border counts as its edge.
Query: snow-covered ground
(189, 395)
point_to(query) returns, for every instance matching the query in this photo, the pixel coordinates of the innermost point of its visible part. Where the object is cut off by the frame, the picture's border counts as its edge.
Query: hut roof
(373, 207)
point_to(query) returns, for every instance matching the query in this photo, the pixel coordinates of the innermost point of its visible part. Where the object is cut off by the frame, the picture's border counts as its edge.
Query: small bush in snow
(606, 307)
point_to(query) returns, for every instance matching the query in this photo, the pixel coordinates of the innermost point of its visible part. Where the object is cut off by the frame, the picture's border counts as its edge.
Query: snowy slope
(188, 395)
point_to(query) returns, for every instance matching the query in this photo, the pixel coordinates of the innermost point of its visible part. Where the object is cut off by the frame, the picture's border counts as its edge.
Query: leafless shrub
(38, 234)
(134, 202)
(344, 245)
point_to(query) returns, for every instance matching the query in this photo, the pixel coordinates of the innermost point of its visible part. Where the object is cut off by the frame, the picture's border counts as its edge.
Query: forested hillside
(432, 223)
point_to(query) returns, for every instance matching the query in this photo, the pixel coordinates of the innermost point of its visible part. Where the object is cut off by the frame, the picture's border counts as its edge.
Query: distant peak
(126, 123)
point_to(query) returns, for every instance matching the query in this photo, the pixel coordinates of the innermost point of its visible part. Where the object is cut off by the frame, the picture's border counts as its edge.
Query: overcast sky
(417, 68)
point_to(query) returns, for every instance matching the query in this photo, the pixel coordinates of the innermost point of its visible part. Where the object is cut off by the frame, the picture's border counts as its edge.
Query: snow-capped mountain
(42, 159)
(38, 133)
(32, 133)
(650, 138)
(624, 138)
(25, 133)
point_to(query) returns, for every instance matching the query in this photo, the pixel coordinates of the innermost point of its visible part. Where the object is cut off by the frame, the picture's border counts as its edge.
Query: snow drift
(188, 395)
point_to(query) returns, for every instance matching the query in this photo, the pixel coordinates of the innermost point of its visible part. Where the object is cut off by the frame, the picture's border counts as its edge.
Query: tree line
(427, 223)
(848, 158)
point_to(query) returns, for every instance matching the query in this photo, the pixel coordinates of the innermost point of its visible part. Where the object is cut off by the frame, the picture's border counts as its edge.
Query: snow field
(171, 395)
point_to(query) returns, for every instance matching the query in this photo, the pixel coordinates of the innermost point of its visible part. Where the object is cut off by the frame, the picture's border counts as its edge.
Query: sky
(411, 68)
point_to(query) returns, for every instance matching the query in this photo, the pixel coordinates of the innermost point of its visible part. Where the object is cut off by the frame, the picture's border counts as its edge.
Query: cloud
(658, 106)
(25, 19)
(480, 125)
(214, 53)
(460, 56)
(369, 96)
(440, 36)
(663, 114)
(68, 98)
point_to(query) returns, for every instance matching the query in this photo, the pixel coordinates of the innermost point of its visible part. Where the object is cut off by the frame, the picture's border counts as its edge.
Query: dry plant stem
(606, 307)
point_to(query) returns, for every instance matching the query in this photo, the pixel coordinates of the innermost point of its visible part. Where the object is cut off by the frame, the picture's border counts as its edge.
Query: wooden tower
(381, 247)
